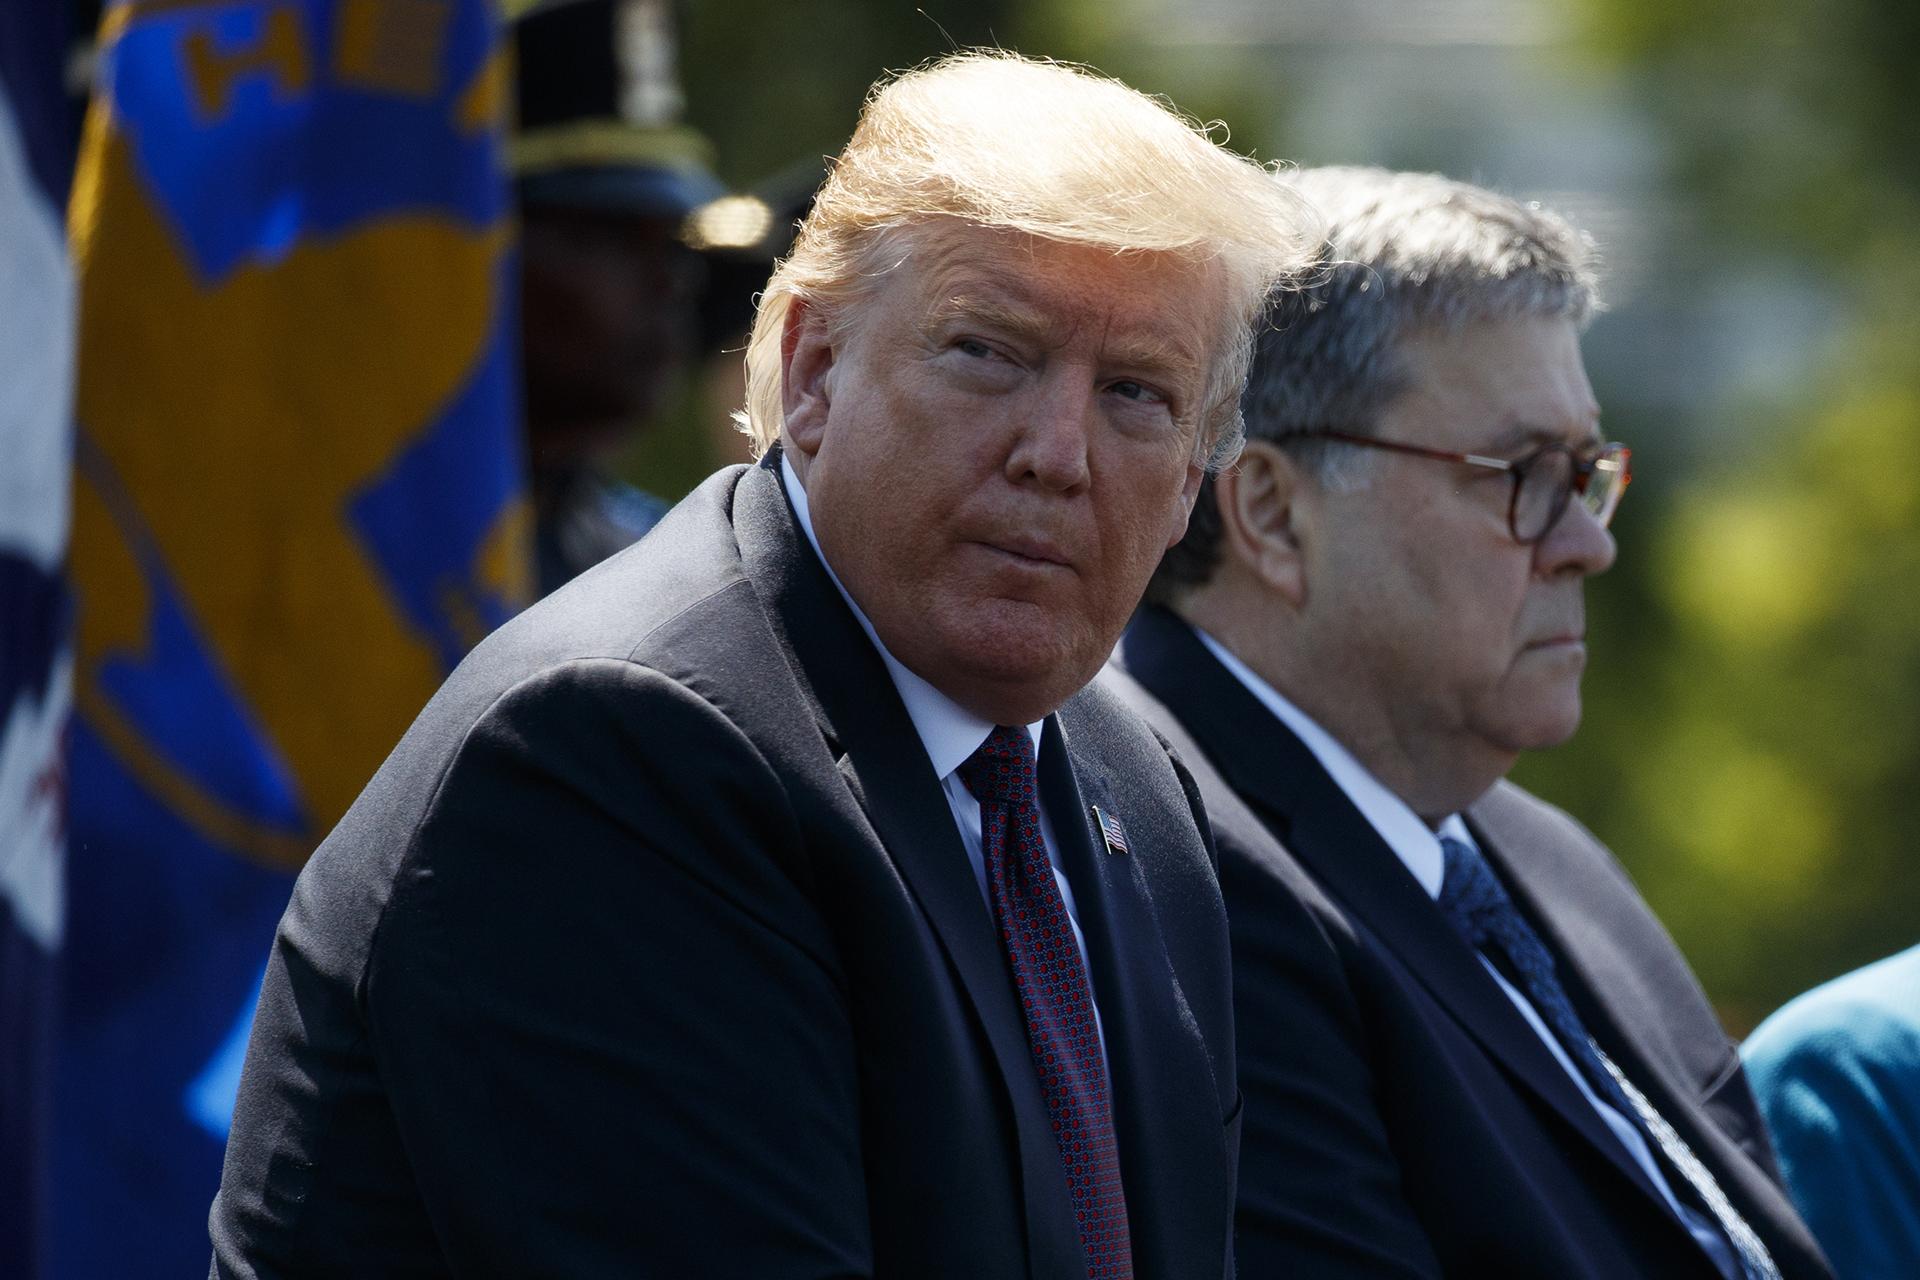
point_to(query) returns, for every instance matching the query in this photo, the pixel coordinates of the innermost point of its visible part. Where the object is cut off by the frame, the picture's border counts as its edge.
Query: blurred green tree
(1751, 744)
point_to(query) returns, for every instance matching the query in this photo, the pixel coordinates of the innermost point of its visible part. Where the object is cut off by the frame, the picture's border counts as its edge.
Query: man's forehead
(1052, 290)
(1503, 386)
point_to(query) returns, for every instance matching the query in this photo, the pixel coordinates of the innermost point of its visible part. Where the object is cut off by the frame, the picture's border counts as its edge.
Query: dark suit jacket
(653, 951)
(1402, 1118)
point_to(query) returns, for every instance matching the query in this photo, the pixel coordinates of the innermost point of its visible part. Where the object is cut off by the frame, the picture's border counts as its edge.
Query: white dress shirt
(1418, 847)
(951, 733)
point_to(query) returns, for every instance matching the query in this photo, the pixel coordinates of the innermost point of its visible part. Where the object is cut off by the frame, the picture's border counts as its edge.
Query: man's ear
(806, 360)
(1265, 516)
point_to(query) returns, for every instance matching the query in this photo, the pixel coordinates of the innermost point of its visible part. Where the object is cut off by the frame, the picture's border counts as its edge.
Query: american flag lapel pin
(1111, 831)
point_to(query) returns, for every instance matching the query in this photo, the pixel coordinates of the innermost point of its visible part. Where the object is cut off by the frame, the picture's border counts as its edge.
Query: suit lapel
(1163, 1085)
(1597, 978)
(881, 757)
(1601, 982)
(1308, 813)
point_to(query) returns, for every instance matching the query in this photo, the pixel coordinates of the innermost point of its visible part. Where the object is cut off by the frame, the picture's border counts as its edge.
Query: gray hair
(1403, 253)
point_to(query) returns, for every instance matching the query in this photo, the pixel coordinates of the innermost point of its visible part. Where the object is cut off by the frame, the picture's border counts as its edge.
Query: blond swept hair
(997, 140)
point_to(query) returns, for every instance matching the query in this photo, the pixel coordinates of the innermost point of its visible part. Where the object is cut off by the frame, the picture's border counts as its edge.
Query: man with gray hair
(1467, 1047)
(773, 900)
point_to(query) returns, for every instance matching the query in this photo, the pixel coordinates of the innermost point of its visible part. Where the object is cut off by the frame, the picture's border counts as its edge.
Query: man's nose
(1055, 431)
(1577, 543)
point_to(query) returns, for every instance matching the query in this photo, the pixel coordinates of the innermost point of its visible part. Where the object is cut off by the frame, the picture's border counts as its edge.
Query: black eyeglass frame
(1611, 456)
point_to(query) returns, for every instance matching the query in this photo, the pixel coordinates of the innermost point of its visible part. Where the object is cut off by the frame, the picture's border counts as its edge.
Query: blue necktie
(1477, 906)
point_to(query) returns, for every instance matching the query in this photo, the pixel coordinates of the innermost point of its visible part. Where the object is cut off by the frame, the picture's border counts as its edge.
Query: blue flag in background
(36, 447)
(298, 503)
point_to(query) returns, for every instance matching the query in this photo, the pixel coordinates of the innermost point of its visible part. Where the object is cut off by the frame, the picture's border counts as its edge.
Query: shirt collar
(1412, 841)
(948, 730)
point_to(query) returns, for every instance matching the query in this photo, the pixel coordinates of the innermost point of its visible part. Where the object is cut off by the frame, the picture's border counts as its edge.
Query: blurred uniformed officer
(611, 290)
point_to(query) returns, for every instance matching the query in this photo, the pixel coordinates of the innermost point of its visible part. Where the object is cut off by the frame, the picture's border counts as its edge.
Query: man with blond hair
(1467, 1047)
(773, 900)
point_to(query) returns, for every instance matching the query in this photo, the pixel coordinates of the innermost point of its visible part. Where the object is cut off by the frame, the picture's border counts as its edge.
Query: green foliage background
(1751, 746)
(1752, 743)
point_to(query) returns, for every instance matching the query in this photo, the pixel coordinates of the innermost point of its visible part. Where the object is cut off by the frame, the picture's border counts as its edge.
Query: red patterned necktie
(1055, 997)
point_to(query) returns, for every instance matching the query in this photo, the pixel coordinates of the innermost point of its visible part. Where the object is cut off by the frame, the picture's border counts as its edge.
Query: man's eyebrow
(1005, 315)
(1155, 352)
(1150, 352)
(1528, 436)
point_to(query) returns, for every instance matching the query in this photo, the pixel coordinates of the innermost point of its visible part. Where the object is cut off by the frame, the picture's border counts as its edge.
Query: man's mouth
(1564, 639)
(1026, 549)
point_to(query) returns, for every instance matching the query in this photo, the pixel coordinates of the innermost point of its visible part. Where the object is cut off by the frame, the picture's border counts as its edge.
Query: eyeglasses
(1543, 481)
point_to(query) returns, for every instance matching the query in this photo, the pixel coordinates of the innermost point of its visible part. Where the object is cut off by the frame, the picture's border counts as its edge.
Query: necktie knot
(1471, 897)
(1476, 904)
(1001, 770)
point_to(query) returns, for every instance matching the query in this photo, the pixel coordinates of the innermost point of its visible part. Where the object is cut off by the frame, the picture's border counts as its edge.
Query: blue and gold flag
(298, 502)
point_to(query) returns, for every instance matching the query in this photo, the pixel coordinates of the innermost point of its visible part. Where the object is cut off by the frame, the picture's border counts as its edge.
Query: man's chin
(1552, 728)
(1544, 713)
(1009, 679)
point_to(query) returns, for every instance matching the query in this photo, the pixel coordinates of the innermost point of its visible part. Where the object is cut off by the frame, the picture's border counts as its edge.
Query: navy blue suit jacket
(1402, 1118)
(653, 950)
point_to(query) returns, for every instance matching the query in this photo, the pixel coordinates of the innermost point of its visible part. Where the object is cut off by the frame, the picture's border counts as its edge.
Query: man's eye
(1134, 391)
(973, 347)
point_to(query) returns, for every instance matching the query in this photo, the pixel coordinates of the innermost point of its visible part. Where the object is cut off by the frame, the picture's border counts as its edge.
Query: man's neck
(1432, 777)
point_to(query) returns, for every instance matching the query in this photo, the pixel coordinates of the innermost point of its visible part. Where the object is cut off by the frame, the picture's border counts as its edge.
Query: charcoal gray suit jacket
(653, 951)
(1402, 1118)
